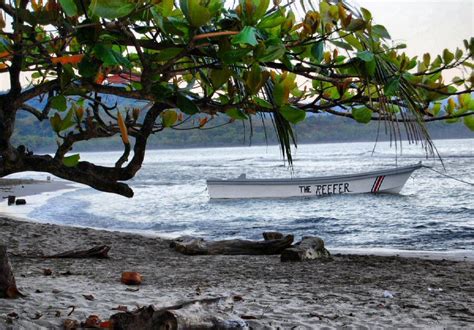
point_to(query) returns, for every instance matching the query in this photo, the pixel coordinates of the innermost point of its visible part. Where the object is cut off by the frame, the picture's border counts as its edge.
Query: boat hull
(384, 181)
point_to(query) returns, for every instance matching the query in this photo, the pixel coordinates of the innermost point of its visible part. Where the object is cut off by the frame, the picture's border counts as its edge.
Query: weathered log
(308, 248)
(8, 287)
(197, 246)
(100, 252)
(271, 235)
(210, 313)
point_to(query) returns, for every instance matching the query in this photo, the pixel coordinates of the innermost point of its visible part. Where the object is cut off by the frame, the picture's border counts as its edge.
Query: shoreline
(38, 191)
(359, 287)
(358, 290)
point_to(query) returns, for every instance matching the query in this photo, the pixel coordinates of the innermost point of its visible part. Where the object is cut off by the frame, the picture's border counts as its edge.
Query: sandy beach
(351, 290)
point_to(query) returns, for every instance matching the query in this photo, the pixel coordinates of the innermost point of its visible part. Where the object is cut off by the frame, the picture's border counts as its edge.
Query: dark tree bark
(197, 246)
(8, 287)
(196, 314)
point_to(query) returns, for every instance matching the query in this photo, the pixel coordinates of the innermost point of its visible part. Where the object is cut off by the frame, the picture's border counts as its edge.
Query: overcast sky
(424, 25)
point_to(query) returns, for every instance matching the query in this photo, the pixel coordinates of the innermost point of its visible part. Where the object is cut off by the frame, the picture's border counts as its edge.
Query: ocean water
(432, 212)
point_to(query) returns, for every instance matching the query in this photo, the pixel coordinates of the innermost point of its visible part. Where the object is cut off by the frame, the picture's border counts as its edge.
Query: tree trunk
(7, 280)
(308, 249)
(211, 313)
(197, 246)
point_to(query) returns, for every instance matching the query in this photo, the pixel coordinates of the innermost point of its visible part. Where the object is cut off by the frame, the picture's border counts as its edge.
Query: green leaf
(234, 55)
(58, 102)
(68, 121)
(392, 87)
(55, 122)
(261, 9)
(447, 56)
(362, 115)
(469, 122)
(371, 66)
(273, 20)
(255, 78)
(186, 105)
(219, 77)
(356, 25)
(342, 44)
(318, 51)
(272, 53)
(263, 103)
(167, 54)
(280, 94)
(169, 117)
(366, 56)
(72, 160)
(69, 7)
(366, 14)
(292, 114)
(195, 13)
(353, 41)
(88, 68)
(246, 36)
(235, 113)
(110, 57)
(436, 109)
(381, 31)
(111, 9)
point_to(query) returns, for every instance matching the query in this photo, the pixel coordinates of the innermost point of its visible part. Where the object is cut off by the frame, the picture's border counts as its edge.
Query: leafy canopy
(194, 60)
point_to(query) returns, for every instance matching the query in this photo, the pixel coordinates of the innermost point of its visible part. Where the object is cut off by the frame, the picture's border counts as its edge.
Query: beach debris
(248, 317)
(208, 313)
(11, 200)
(309, 248)
(237, 298)
(105, 324)
(57, 314)
(73, 308)
(66, 273)
(38, 291)
(56, 291)
(20, 202)
(120, 308)
(197, 246)
(92, 321)
(435, 289)
(131, 278)
(321, 316)
(37, 316)
(13, 315)
(8, 287)
(100, 252)
(88, 297)
(388, 294)
(70, 324)
(47, 272)
(132, 289)
(198, 291)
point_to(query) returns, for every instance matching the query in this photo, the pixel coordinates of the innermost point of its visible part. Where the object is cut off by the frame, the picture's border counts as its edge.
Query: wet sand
(351, 290)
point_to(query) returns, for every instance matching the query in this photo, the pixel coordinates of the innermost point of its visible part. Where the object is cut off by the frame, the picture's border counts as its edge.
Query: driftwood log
(8, 287)
(308, 248)
(198, 246)
(100, 252)
(211, 313)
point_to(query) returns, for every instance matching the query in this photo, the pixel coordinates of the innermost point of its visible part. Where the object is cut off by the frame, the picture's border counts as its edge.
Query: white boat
(382, 181)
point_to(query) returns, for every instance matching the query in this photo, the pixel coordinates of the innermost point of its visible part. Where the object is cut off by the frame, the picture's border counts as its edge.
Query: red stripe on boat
(377, 188)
